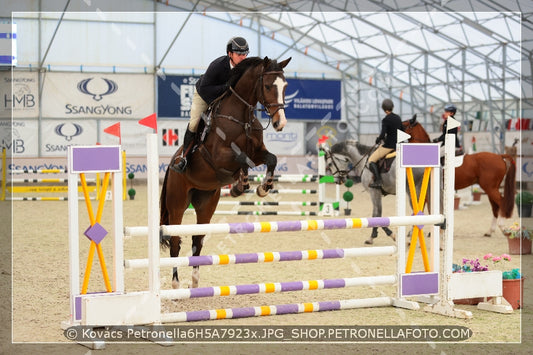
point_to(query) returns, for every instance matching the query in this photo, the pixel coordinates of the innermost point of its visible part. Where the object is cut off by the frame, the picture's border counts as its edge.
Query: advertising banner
(20, 137)
(19, 95)
(57, 135)
(97, 95)
(313, 99)
(8, 44)
(305, 99)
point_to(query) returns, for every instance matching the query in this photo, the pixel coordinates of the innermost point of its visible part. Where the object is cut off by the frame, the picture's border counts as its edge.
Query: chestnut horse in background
(486, 169)
(233, 144)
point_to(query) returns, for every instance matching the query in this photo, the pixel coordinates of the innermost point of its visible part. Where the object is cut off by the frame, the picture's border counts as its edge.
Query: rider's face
(236, 58)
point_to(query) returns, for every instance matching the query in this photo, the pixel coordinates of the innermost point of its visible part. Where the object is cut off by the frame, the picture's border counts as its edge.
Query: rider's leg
(198, 107)
(379, 153)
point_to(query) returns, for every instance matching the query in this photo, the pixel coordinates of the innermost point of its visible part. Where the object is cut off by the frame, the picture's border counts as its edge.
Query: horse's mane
(342, 147)
(238, 71)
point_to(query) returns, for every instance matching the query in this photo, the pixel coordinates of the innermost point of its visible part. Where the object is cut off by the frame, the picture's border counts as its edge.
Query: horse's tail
(163, 220)
(509, 188)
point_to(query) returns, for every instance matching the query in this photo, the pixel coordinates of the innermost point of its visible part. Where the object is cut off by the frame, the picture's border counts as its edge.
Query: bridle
(343, 173)
(252, 108)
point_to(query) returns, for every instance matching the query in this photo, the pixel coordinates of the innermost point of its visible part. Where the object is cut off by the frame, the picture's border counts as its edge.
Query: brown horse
(233, 144)
(486, 169)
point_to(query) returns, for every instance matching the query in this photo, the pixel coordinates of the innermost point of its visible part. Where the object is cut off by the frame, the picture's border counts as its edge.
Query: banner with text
(97, 95)
(19, 94)
(306, 99)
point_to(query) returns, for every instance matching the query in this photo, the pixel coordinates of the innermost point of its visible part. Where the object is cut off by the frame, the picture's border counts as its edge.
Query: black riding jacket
(213, 82)
(442, 137)
(389, 125)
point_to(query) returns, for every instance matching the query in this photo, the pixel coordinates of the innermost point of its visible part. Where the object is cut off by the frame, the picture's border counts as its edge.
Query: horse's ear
(285, 62)
(266, 62)
(413, 119)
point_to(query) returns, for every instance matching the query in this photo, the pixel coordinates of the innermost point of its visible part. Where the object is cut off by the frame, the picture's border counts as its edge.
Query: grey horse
(349, 157)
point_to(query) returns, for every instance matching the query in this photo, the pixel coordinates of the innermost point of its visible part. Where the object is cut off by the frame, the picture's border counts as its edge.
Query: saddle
(385, 164)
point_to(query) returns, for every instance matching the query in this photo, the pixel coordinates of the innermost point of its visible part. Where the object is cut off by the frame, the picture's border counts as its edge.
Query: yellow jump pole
(94, 246)
(124, 175)
(4, 174)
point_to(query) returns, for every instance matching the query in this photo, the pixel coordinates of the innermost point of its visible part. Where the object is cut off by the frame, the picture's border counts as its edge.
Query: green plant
(517, 231)
(524, 198)
(131, 192)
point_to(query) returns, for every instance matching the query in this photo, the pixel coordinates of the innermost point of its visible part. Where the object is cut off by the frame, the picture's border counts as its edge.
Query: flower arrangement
(515, 231)
(474, 265)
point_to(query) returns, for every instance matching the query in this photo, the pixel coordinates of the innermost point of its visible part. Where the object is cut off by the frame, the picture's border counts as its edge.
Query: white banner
(97, 95)
(19, 95)
(290, 141)
(24, 137)
(57, 135)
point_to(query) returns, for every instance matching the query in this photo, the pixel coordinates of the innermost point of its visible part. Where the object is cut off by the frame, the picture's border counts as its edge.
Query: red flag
(114, 130)
(150, 121)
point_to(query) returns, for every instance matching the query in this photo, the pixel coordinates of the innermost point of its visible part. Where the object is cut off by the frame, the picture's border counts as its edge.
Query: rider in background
(449, 111)
(389, 126)
(210, 86)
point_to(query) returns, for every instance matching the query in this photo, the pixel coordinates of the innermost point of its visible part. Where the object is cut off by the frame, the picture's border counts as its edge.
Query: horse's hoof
(261, 192)
(175, 284)
(234, 192)
(369, 241)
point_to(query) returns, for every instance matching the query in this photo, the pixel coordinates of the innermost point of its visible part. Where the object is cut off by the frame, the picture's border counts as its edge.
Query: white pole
(449, 182)
(118, 229)
(73, 237)
(152, 162)
(400, 211)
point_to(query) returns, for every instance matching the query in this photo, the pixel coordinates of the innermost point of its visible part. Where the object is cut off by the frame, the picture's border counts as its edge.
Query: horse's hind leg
(271, 161)
(242, 184)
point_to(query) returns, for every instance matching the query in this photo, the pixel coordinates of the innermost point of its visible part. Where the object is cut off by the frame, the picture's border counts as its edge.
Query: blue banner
(306, 99)
(313, 99)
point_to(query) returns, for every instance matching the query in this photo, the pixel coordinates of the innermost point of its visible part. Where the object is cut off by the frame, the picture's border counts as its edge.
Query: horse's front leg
(241, 185)
(268, 182)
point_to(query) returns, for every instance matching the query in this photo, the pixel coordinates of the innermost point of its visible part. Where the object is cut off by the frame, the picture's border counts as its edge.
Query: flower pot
(519, 246)
(456, 203)
(476, 196)
(513, 292)
(347, 211)
(524, 211)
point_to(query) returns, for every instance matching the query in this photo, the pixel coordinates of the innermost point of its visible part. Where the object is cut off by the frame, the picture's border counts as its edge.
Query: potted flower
(469, 265)
(348, 196)
(476, 193)
(513, 281)
(524, 203)
(518, 238)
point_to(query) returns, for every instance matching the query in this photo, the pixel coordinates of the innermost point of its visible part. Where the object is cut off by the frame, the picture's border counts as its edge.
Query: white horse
(352, 156)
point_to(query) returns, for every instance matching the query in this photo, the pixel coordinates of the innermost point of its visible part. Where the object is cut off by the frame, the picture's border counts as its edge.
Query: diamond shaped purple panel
(95, 233)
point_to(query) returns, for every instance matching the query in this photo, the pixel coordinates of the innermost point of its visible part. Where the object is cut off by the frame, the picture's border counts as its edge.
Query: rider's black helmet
(387, 105)
(237, 45)
(450, 108)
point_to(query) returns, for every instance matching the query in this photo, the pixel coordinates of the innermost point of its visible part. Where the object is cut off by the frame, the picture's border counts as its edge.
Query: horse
(350, 155)
(233, 143)
(488, 170)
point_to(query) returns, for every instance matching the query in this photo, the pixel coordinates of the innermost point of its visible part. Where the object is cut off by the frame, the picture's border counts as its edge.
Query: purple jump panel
(420, 155)
(422, 283)
(95, 159)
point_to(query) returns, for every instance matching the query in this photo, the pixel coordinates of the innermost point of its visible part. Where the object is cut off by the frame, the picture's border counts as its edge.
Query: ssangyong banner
(305, 98)
(20, 137)
(97, 95)
(308, 99)
(19, 94)
(57, 135)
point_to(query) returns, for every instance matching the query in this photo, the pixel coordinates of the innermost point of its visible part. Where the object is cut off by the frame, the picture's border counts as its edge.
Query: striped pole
(267, 203)
(264, 257)
(275, 287)
(288, 226)
(263, 213)
(39, 171)
(275, 310)
(226, 192)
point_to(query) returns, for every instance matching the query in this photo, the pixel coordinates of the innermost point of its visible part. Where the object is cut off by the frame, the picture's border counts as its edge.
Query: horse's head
(272, 96)
(338, 163)
(413, 128)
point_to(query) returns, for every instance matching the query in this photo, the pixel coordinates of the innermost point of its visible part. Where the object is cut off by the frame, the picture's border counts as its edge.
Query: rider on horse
(210, 86)
(449, 111)
(389, 126)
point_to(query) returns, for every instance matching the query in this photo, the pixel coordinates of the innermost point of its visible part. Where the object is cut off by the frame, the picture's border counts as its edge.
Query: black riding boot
(188, 141)
(377, 183)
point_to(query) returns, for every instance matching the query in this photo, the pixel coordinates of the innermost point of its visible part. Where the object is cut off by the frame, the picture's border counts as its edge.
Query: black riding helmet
(450, 108)
(387, 105)
(237, 45)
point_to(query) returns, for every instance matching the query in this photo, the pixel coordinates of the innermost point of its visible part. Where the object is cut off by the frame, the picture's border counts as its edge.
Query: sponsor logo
(97, 89)
(289, 98)
(170, 137)
(281, 136)
(68, 130)
(110, 88)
